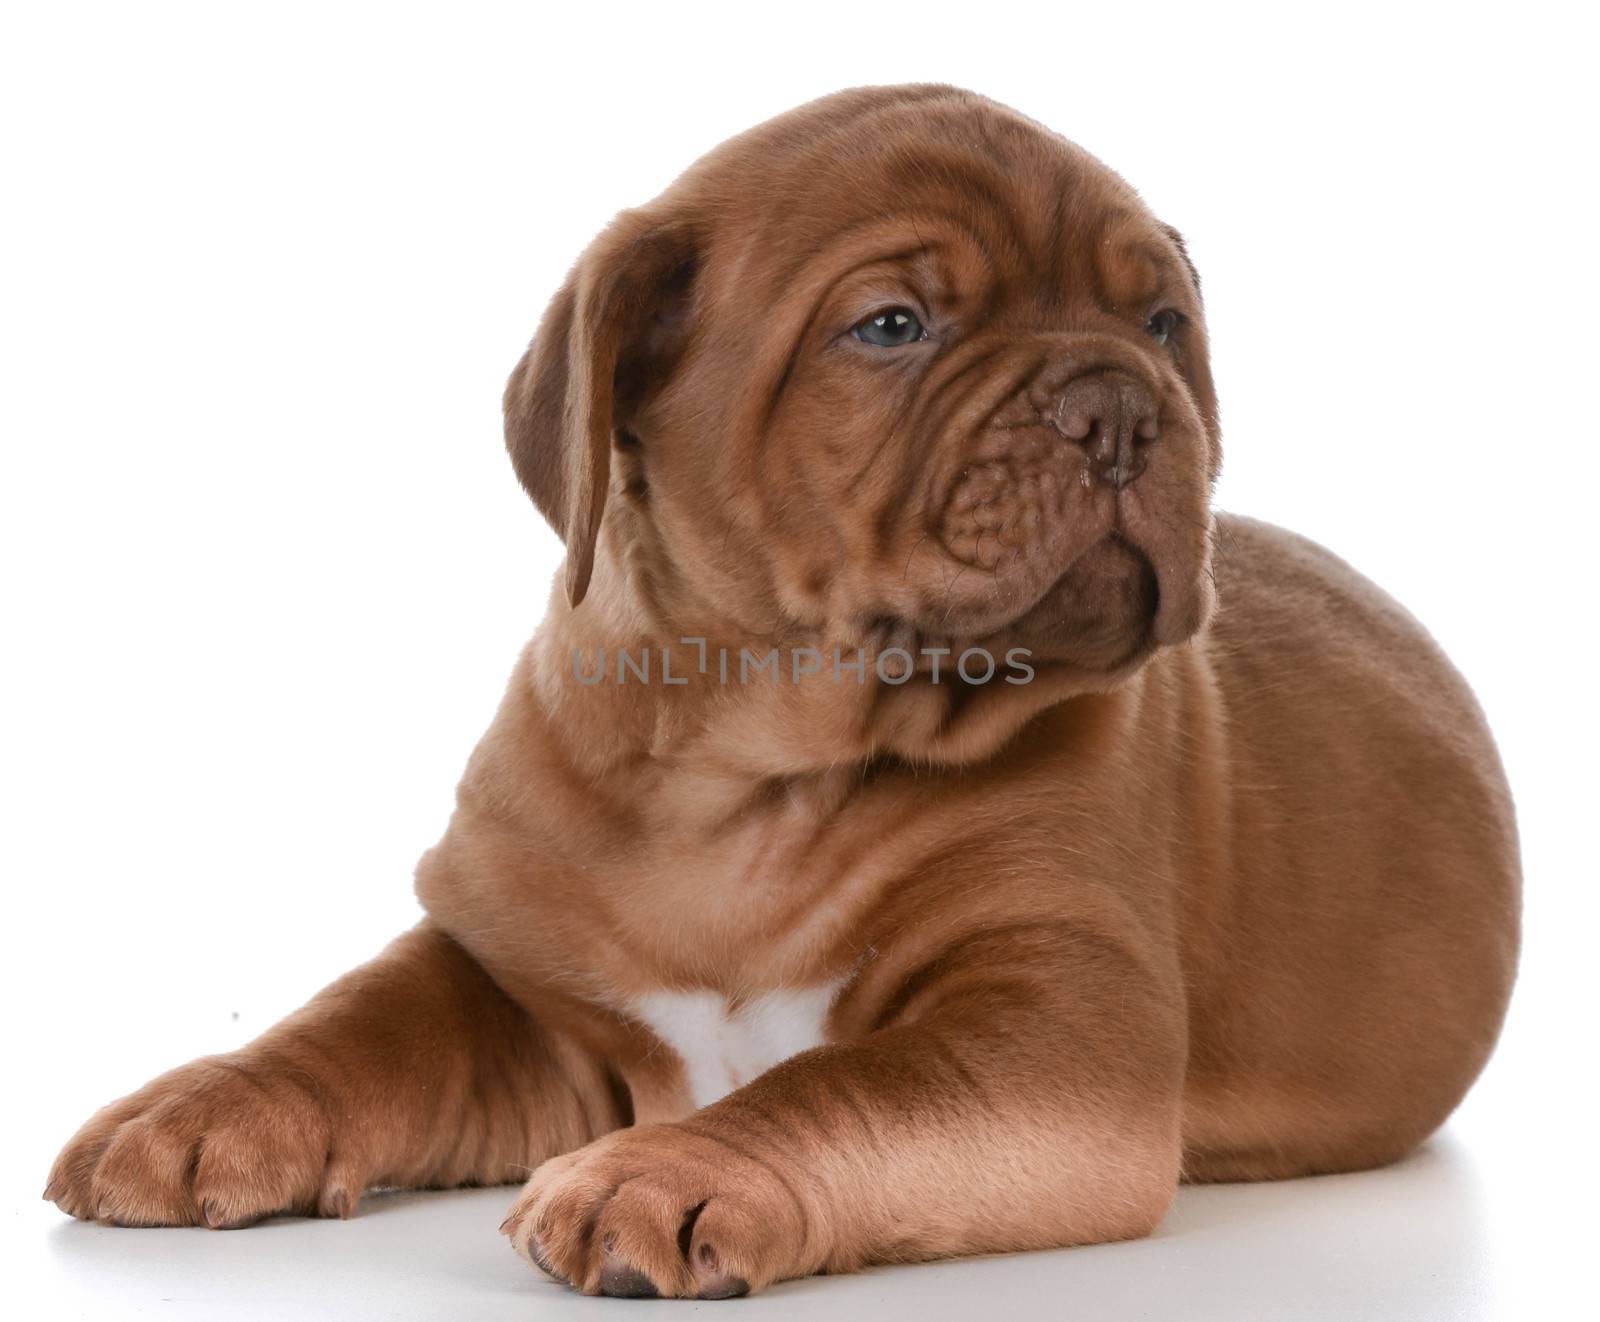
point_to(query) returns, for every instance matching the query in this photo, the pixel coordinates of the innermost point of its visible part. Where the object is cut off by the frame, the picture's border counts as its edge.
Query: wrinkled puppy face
(899, 368)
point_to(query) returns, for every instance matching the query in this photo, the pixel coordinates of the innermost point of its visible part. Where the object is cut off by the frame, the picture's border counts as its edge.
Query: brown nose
(1115, 419)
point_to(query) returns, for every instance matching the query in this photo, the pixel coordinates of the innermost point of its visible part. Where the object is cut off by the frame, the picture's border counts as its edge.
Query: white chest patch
(724, 1050)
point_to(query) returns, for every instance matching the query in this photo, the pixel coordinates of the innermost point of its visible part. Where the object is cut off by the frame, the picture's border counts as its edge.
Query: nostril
(1147, 428)
(1074, 426)
(1101, 447)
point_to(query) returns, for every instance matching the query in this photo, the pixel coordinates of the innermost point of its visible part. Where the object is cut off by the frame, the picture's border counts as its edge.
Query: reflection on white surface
(1405, 1242)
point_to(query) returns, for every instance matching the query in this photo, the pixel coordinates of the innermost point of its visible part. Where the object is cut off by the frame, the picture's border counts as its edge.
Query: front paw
(660, 1211)
(220, 1142)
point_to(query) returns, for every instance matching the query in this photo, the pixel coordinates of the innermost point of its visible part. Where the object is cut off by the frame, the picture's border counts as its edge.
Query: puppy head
(900, 367)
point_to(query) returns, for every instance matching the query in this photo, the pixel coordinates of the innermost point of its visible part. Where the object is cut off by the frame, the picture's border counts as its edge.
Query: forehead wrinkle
(1131, 273)
(930, 162)
(1172, 277)
(943, 225)
(1053, 286)
(1046, 185)
(817, 302)
(1081, 240)
(818, 299)
(900, 260)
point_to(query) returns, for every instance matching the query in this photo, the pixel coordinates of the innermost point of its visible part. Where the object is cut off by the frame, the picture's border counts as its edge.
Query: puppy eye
(1160, 327)
(891, 328)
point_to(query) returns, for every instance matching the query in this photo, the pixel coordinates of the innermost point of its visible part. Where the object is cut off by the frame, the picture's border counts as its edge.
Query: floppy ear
(604, 335)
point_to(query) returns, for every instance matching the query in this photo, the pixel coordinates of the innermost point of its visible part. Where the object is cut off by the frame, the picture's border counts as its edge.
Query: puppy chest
(724, 1046)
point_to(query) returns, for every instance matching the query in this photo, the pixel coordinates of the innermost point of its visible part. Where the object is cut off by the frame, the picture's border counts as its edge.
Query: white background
(265, 269)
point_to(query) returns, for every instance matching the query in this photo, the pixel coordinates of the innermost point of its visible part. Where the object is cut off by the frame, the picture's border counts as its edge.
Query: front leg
(414, 1070)
(1023, 1093)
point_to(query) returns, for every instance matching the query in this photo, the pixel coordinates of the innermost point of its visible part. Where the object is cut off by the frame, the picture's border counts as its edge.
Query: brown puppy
(919, 827)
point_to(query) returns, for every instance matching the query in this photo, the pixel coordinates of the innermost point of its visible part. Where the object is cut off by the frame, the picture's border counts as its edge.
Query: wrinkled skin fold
(746, 981)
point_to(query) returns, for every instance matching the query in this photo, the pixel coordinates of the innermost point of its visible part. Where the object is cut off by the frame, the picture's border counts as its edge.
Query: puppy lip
(886, 628)
(1177, 612)
(1136, 641)
(1147, 561)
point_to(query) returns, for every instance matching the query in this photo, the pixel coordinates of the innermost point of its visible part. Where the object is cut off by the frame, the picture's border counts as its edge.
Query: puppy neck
(618, 687)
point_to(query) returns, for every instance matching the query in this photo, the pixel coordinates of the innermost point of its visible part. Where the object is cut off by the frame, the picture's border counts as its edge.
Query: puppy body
(778, 976)
(1200, 814)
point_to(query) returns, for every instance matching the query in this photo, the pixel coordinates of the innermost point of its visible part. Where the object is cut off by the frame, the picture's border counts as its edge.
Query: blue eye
(1160, 327)
(891, 328)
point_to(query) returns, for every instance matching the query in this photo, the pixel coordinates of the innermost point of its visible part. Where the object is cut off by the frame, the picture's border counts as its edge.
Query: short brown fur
(1228, 891)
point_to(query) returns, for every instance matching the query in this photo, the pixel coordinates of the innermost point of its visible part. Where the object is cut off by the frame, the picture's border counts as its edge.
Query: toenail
(622, 1280)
